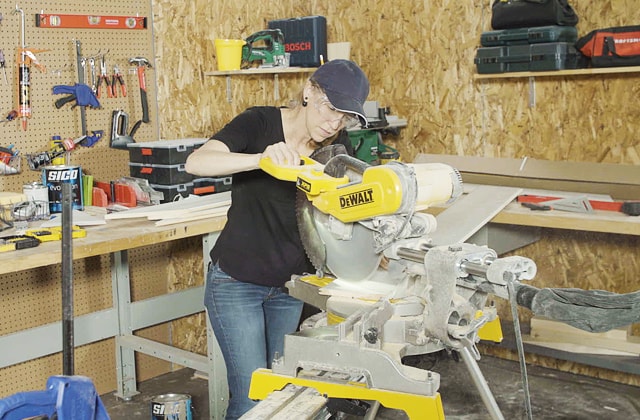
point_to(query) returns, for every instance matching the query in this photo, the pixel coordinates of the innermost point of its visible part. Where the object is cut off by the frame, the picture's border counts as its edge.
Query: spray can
(56, 146)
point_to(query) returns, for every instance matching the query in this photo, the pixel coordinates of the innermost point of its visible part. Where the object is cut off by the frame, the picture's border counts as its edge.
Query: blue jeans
(249, 322)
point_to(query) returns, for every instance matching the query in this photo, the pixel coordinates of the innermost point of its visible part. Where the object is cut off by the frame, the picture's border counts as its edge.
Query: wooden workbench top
(115, 235)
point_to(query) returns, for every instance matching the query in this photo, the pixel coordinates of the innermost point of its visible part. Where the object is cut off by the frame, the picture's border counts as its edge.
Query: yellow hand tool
(15, 242)
(55, 233)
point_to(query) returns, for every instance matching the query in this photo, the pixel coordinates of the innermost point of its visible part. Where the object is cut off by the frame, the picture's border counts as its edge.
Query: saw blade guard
(345, 229)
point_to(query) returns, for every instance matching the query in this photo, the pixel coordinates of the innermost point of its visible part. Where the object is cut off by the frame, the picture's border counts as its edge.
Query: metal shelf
(276, 71)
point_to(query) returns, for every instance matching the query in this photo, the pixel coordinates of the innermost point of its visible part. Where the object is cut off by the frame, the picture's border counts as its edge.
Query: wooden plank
(263, 70)
(193, 217)
(470, 212)
(559, 73)
(171, 214)
(188, 204)
(555, 334)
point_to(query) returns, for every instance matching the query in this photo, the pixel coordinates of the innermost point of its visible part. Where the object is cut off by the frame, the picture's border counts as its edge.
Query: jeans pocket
(217, 275)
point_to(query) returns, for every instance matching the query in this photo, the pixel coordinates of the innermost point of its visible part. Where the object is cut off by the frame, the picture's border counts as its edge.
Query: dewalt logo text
(357, 198)
(303, 185)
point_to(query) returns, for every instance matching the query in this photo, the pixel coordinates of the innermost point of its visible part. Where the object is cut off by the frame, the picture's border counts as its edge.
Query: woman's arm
(214, 159)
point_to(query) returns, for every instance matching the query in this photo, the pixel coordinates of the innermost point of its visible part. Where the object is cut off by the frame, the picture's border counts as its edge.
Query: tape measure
(55, 233)
(16, 242)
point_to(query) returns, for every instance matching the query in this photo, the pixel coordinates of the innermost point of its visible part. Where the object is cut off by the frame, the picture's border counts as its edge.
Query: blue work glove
(84, 96)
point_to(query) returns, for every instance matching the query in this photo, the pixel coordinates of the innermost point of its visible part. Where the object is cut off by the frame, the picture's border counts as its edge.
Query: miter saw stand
(441, 307)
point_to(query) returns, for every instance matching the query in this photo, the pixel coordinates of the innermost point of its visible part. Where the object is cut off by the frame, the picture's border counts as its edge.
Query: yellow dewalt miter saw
(385, 290)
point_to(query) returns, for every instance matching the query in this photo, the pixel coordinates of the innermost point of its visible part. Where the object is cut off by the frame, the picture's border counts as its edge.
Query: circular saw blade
(344, 250)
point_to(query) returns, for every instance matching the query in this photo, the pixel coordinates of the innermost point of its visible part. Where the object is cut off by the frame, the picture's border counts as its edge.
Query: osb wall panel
(419, 58)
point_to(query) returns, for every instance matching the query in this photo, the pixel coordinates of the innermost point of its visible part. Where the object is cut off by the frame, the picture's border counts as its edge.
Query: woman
(260, 248)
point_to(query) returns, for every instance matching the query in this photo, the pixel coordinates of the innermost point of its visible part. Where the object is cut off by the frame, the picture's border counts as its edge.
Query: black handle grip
(145, 105)
(62, 101)
(135, 128)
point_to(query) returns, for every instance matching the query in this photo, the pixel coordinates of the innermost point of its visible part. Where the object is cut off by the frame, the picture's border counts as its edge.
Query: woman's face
(323, 120)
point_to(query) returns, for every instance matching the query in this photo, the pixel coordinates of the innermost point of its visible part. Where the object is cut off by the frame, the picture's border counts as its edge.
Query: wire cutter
(103, 78)
(117, 78)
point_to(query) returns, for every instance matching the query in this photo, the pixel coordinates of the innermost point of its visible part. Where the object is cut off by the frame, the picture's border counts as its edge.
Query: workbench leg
(217, 372)
(125, 357)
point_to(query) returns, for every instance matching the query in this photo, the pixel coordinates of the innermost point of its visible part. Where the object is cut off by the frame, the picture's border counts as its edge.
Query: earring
(304, 101)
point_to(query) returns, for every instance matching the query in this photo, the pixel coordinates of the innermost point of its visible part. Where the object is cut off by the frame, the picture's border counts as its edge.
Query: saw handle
(288, 172)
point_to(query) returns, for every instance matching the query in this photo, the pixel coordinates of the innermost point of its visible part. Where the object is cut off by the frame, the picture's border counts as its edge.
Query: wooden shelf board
(560, 73)
(265, 70)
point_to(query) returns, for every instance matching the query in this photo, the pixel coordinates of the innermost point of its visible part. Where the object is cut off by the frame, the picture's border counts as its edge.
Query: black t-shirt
(260, 242)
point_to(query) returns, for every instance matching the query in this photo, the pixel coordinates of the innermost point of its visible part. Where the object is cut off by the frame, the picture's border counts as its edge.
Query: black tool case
(305, 38)
(532, 57)
(163, 152)
(534, 35)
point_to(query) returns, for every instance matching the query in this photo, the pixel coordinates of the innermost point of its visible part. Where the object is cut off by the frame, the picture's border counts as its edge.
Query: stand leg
(481, 384)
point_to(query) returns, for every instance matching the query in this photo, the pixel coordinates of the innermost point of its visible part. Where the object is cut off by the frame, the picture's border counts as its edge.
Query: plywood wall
(419, 58)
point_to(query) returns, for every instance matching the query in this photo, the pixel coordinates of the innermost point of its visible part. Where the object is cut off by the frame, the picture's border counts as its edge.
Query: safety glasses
(329, 113)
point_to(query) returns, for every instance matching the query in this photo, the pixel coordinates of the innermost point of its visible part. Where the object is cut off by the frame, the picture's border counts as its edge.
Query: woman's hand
(282, 154)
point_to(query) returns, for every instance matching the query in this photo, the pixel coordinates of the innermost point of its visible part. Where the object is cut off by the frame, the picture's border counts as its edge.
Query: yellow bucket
(229, 53)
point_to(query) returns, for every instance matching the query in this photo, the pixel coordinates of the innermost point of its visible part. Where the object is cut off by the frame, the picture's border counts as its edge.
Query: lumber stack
(186, 210)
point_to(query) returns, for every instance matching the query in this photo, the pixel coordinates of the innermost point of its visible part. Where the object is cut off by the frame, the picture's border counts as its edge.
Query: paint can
(37, 194)
(171, 407)
(54, 176)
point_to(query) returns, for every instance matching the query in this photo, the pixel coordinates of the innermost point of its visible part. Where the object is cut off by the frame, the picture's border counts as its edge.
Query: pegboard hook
(22, 36)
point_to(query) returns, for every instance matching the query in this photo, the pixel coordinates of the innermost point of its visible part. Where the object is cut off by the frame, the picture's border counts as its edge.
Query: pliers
(104, 78)
(117, 77)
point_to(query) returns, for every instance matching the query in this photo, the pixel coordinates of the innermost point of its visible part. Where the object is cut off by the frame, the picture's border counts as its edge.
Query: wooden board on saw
(470, 212)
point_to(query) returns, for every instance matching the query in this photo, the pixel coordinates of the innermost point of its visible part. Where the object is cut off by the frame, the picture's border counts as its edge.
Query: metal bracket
(532, 92)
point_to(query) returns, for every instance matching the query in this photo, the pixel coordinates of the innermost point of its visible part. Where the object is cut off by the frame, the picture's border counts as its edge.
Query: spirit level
(90, 21)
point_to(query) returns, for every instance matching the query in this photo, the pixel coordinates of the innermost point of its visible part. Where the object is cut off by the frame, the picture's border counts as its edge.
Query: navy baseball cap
(346, 86)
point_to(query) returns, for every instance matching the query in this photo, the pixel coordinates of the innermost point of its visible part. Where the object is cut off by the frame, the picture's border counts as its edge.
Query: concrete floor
(554, 395)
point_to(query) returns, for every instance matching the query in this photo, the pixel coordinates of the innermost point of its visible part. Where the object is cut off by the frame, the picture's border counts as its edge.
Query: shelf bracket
(229, 97)
(532, 92)
(276, 87)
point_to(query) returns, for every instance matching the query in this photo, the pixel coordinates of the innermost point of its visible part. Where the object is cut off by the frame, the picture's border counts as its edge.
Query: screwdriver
(2, 63)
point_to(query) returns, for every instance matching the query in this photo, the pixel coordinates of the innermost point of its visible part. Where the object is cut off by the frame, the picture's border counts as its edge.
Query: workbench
(125, 317)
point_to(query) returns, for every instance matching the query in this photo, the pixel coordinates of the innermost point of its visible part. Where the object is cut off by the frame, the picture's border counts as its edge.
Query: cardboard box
(621, 182)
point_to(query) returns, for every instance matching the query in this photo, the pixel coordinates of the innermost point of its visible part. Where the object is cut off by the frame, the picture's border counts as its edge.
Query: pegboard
(56, 50)
(32, 297)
